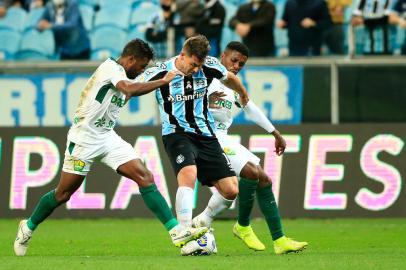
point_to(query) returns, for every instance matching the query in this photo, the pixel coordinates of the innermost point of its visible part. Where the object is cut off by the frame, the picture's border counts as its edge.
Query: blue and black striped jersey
(183, 103)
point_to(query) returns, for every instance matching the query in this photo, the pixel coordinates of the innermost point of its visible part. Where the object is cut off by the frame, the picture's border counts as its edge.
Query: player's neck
(177, 65)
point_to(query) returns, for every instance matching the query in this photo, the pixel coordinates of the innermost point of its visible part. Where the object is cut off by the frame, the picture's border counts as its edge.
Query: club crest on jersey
(180, 158)
(200, 82)
(229, 151)
(78, 165)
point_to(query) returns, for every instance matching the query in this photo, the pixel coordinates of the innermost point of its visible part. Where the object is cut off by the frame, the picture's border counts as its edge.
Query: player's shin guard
(246, 196)
(157, 204)
(44, 208)
(269, 208)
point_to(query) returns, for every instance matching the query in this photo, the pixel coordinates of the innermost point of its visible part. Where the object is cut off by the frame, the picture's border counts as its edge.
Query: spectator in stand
(306, 21)
(157, 30)
(374, 15)
(211, 24)
(398, 16)
(5, 4)
(254, 23)
(185, 15)
(334, 37)
(64, 19)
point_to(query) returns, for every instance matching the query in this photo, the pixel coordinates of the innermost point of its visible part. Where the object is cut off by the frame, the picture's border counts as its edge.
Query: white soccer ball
(208, 243)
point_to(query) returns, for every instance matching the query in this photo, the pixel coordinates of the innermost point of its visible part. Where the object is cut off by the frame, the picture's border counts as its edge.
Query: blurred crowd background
(98, 29)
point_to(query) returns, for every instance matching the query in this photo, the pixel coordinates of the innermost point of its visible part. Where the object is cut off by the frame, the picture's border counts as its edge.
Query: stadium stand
(143, 13)
(37, 45)
(115, 16)
(32, 18)
(9, 49)
(87, 13)
(14, 19)
(128, 18)
(113, 3)
(107, 42)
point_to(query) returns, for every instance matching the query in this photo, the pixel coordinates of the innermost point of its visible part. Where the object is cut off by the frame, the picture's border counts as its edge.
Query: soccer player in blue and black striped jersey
(188, 127)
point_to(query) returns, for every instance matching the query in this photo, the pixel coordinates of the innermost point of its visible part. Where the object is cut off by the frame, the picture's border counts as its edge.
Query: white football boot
(23, 237)
(182, 237)
(200, 221)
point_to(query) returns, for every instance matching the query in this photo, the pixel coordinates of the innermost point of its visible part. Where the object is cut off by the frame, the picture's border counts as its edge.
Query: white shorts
(113, 152)
(237, 153)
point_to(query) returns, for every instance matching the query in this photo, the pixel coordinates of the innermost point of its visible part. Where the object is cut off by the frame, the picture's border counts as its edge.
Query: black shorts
(186, 149)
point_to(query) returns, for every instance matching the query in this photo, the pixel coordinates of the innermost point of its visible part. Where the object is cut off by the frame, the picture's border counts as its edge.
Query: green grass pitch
(144, 244)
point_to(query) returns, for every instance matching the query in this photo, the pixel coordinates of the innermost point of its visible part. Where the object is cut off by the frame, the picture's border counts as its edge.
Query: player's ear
(223, 54)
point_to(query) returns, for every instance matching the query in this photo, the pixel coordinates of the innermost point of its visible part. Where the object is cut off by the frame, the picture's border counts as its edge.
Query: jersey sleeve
(213, 87)
(117, 73)
(214, 69)
(152, 74)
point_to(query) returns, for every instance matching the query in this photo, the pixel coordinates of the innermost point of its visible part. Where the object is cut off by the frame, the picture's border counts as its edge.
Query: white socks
(184, 205)
(216, 205)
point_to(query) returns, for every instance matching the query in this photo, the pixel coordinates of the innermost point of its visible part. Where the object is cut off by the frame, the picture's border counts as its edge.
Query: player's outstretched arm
(255, 114)
(235, 83)
(131, 89)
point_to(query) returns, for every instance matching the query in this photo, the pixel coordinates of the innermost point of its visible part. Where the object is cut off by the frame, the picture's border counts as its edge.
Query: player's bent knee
(62, 196)
(144, 179)
(230, 193)
(250, 171)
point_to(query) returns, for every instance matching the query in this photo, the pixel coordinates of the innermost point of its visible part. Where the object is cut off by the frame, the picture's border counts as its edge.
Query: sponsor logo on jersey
(119, 102)
(224, 103)
(221, 126)
(179, 97)
(78, 165)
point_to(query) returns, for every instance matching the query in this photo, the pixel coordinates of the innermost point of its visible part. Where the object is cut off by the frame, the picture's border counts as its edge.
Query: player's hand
(281, 24)
(243, 29)
(170, 76)
(357, 20)
(307, 23)
(402, 23)
(43, 24)
(280, 143)
(214, 98)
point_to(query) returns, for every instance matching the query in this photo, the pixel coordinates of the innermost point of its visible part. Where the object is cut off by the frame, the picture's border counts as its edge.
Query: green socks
(44, 208)
(157, 204)
(152, 198)
(246, 198)
(269, 208)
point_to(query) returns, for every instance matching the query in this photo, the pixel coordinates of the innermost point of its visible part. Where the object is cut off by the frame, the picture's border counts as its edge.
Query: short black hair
(239, 47)
(198, 46)
(139, 49)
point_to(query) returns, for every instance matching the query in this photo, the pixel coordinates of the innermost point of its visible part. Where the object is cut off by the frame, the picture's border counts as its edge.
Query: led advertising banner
(326, 171)
(50, 99)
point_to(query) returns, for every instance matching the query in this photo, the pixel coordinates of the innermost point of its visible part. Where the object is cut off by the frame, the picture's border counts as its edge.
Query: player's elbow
(124, 87)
